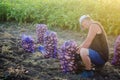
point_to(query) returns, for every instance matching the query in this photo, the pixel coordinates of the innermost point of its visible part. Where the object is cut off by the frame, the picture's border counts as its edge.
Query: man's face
(84, 24)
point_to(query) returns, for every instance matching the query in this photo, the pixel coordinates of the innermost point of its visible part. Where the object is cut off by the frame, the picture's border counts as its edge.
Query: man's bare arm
(91, 35)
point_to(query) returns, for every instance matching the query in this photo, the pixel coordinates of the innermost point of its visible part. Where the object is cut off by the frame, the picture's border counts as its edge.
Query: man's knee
(83, 52)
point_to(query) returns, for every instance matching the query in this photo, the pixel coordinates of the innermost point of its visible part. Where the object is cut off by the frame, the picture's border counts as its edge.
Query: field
(62, 13)
(19, 17)
(19, 65)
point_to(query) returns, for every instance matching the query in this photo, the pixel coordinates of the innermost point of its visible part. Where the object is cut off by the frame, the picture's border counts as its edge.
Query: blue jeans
(96, 58)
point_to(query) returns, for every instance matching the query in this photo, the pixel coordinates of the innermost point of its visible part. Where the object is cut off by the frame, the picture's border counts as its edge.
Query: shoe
(87, 74)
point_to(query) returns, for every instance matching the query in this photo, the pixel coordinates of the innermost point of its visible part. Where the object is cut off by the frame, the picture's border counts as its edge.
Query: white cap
(83, 17)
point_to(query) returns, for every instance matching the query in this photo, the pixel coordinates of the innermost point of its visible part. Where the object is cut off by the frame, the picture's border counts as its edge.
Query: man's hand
(78, 50)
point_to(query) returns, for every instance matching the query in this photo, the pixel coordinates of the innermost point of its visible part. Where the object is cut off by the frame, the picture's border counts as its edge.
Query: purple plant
(116, 58)
(67, 56)
(50, 44)
(40, 31)
(28, 43)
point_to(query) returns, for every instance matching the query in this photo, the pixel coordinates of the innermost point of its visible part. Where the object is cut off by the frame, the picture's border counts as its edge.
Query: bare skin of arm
(93, 30)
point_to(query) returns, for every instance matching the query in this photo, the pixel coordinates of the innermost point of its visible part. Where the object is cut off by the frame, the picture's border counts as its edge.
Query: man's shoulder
(96, 23)
(94, 26)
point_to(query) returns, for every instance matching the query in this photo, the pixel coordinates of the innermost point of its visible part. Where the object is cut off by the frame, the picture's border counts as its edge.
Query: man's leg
(88, 73)
(84, 53)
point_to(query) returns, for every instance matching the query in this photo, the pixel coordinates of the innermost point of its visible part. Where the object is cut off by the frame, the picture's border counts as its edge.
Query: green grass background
(62, 13)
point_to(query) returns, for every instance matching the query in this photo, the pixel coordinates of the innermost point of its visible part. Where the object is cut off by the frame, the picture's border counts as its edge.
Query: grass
(62, 13)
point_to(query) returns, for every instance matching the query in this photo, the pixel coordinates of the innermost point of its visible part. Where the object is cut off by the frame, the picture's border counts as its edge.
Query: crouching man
(94, 49)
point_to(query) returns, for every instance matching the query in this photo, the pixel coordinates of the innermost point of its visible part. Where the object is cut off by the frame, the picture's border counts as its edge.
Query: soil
(16, 64)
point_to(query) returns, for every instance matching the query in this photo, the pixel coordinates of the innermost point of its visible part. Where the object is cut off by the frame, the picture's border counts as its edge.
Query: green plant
(62, 13)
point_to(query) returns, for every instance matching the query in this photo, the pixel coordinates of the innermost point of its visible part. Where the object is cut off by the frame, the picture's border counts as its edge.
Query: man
(94, 50)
